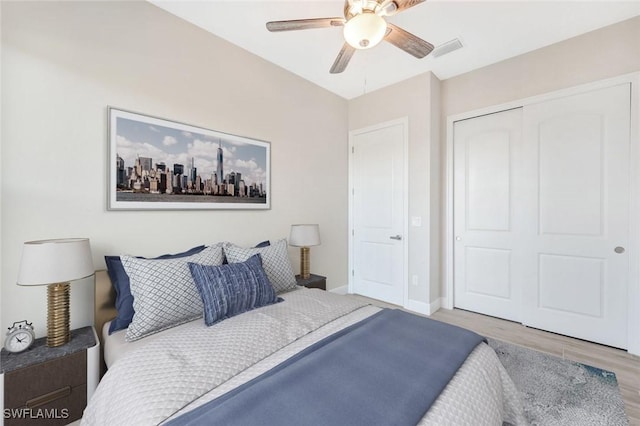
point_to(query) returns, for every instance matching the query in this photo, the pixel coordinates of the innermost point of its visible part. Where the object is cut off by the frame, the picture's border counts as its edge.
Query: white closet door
(487, 222)
(577, 186)
(541, 215)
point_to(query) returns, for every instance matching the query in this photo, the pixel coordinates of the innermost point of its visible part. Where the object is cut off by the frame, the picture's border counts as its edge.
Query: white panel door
(487, 156)
(378, 212)
(577, 173)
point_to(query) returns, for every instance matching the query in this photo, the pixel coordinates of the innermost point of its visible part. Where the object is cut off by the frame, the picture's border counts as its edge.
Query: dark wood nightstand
(50, 386)
(314, 281)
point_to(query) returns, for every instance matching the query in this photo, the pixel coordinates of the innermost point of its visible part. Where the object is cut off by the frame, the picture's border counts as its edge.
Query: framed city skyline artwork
(158, 164)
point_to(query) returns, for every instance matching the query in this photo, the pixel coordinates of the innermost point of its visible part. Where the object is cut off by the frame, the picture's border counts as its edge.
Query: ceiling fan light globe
(365, 30)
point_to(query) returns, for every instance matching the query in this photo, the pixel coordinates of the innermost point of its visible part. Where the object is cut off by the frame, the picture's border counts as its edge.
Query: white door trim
(634, 213)
(404, 121)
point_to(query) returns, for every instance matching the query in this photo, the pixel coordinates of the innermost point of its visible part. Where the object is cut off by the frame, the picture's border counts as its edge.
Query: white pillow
(275, 261)
(164, 293)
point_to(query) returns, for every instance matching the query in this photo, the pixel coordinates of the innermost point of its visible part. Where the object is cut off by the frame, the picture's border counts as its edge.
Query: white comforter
(188, 366)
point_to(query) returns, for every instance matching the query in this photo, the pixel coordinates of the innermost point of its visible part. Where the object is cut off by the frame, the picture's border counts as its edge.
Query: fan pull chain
(366, 68)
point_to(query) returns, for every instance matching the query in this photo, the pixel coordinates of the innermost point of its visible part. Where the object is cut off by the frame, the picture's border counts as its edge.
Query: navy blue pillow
(120, 282)
(232, 289)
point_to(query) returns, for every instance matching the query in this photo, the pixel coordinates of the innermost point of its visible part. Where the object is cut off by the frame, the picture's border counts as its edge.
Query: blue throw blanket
(385, 370)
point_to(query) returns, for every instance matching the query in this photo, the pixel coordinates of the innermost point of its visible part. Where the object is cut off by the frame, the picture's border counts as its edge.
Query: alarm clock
(19, 337)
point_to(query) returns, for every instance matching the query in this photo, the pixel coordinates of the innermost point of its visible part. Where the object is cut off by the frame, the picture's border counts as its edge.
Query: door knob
(396, 237)
(619, 250)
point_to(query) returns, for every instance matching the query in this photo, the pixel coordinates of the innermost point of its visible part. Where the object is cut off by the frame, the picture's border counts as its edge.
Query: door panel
(378, 212)
(564, 279)
(571, 191)
(486, 154)
(488, 177)
(488, 272)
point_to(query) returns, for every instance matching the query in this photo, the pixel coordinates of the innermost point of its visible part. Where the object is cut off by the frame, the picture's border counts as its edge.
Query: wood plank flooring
(626, 366)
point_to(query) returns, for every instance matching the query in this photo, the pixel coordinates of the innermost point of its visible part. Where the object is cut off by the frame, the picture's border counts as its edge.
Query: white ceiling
(490, 31)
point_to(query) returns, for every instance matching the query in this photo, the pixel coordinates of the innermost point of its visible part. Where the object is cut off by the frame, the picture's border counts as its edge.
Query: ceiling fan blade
(406, 4)
(343, 58)
(408, 42)
(304, 24)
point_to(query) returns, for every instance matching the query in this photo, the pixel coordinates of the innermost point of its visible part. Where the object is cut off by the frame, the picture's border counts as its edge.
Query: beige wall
(607, 52)
(436, 194)
(412, 98)
(64, 62)
(600, 54)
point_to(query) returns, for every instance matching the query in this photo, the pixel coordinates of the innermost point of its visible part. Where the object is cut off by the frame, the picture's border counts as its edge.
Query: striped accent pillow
(232, 289)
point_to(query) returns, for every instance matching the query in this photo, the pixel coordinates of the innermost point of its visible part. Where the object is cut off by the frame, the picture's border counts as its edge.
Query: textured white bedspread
(188, 366)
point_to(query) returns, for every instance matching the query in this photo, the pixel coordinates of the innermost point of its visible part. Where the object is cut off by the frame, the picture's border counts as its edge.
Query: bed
(167, 376)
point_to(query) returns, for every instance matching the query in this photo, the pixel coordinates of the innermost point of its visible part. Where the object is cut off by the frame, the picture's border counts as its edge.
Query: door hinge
(353, 149)
(352, 273)
(353, 232)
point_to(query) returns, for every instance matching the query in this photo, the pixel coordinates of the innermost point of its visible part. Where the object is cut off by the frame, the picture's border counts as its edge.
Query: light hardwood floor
(626, 366)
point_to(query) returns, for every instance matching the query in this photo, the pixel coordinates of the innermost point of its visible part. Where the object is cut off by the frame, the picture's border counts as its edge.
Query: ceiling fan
(364, 26)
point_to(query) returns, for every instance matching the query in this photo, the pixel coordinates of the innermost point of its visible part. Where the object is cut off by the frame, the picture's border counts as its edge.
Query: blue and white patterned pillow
(232, 289)
(275, 261)
(120, 283)
(164, 294)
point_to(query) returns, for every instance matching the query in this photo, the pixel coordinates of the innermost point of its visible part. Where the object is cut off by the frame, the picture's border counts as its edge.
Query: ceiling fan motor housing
(379, 7)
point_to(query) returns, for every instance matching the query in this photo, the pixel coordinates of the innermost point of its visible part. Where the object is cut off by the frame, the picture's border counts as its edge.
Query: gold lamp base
(58, 314)
(304, 262)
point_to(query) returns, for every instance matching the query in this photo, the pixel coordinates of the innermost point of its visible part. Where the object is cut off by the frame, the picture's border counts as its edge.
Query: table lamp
(304, 236)
(55, 263)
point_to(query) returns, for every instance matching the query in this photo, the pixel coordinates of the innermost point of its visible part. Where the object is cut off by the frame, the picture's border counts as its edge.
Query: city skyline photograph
(162, 164)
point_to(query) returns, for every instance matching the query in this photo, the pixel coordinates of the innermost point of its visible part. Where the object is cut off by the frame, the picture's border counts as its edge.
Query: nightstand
(50, 386)
(314, 281)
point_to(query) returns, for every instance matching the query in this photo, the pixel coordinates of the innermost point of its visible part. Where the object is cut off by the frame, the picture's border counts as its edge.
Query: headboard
(105, 308)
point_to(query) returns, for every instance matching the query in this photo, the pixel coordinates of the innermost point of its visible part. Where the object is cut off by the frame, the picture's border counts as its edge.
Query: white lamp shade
(304, 235)
(365, 30)
(55, 261)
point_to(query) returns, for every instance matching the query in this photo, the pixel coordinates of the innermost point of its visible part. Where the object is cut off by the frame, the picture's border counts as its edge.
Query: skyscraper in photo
(194, 171)
(120, 171)
(237, 181)
(178, 170)
(145, 163)
(220, 160)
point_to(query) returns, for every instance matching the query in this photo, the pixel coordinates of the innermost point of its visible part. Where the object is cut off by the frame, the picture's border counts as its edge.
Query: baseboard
(446, 303)
(340, 290)
(423, 308)
(435, 305)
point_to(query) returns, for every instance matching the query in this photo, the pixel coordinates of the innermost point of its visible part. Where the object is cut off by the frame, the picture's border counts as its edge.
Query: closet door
(487, 214)
(576, 184)
(541, 214)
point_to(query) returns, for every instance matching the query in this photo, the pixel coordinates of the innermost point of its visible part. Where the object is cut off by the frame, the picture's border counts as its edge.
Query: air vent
(447, 47)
